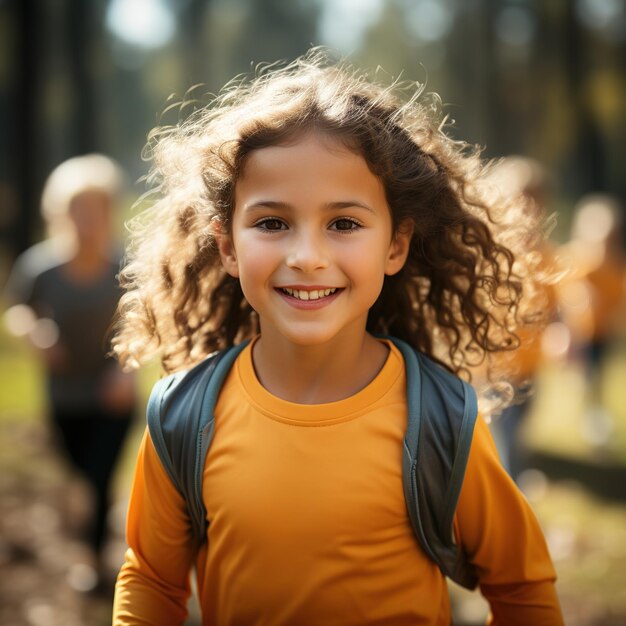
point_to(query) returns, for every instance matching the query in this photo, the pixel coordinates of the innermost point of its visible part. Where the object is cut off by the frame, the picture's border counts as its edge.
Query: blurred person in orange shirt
(593, 297)
(526, 177)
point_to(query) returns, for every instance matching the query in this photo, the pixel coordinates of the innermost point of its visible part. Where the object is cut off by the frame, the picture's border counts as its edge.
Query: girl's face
(311, 240)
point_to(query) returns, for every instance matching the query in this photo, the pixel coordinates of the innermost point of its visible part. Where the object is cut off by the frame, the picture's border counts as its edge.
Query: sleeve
(498, 530)
(153, 585)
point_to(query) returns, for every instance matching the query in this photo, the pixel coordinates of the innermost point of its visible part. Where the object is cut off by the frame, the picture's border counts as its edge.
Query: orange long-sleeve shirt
(308, 523)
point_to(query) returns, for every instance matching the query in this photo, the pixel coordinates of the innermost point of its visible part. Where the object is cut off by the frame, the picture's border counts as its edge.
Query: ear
(399, 248)
(228, 254)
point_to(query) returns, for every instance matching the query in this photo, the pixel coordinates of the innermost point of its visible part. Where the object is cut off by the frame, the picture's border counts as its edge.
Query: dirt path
(45, 570)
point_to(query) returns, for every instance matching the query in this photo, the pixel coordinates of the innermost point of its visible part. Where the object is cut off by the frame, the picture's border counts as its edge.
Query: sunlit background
(545, 80)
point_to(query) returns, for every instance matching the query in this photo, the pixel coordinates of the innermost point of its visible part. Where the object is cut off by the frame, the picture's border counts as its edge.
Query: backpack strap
(181, 421)
(442, 412)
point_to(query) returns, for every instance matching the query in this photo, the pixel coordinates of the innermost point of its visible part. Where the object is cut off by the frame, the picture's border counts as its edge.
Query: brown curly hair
(458, 298)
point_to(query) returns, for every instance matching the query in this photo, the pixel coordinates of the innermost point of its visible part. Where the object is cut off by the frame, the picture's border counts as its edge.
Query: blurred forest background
(545, 80)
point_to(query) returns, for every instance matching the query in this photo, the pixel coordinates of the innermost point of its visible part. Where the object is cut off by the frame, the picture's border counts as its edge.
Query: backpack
(442, 411)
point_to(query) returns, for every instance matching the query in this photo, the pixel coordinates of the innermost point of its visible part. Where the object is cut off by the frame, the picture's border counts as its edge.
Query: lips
(309, 294)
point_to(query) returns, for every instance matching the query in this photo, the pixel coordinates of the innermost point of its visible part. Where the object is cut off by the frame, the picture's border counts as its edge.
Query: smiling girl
(312, 211)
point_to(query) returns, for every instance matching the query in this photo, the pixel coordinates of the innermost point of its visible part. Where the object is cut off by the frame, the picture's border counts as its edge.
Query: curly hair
(462, 291)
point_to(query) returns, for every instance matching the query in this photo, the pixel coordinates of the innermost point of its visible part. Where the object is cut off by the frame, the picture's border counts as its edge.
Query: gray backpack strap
(441, 416)
(442, 411)
(181, 421)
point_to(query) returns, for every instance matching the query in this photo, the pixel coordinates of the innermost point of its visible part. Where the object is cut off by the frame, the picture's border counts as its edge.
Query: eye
(272, 224)
(346, 224)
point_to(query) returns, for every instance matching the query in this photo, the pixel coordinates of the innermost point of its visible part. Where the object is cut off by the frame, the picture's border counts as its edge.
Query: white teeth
(315, 294)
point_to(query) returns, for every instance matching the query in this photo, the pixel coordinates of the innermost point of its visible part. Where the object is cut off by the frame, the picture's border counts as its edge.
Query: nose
(307, 252)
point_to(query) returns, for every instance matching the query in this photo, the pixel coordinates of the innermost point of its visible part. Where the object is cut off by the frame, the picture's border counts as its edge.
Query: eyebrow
(331, 206)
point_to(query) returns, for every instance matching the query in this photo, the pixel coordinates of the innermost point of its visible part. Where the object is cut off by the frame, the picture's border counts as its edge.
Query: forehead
(310, 163)
(90, 199)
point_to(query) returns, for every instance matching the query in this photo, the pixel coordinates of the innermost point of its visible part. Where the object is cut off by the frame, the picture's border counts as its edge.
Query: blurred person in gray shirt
(64, 293)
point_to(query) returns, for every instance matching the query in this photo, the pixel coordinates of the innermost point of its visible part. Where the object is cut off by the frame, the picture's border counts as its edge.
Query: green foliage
(21, 381)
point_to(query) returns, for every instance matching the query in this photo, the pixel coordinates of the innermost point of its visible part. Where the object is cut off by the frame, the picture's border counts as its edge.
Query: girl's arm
(497, 528)
(153, 585)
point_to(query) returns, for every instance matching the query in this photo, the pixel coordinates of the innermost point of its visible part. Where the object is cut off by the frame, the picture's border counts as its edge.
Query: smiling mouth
(314, 294)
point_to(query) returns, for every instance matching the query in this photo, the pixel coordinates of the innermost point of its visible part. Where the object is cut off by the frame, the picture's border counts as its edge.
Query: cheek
(366, 260)
(256, 261)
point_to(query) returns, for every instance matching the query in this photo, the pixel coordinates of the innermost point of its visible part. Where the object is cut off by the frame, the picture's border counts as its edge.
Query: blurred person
(526, 178)
(593, 298)
(330, 221)
(63, 293)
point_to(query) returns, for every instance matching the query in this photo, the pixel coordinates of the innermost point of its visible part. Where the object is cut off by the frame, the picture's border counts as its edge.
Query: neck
(87, 262)
(321, 373)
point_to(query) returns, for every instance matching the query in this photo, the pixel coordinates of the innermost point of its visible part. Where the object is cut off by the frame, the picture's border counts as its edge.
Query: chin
(311, 337)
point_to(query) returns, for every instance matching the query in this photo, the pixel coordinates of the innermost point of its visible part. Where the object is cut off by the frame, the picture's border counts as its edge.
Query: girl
(311, 210)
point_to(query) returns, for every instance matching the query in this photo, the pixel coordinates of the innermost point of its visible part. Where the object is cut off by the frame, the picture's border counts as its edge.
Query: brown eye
(344, 224)
(271, 223)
